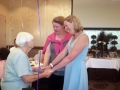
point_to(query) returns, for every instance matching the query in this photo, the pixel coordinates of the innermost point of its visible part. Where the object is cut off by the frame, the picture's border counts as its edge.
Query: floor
(103, 85)
(93, 85)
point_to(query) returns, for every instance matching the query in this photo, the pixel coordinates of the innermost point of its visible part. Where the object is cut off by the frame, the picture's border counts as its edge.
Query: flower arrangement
(100, 45)
(103, 40)
(104, 43)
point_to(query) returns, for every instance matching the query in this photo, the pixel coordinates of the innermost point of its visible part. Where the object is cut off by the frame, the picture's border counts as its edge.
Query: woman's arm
(60, 56)
(30, 78)
(47, 55)
(42, 58)
(34, 77)
(76, 50)
(42, 68)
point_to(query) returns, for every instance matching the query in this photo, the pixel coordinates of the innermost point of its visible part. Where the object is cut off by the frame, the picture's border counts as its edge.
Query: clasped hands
(46, 71)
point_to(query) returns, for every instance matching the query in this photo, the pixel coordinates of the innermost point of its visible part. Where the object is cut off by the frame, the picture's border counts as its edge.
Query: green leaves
(93, 42)
(93, 36)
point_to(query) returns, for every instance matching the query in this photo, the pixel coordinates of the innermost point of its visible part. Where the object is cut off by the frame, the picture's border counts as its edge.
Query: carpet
(103, 85)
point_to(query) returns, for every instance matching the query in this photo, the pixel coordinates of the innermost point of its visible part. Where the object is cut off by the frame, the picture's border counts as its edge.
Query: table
(103, 63)
(105, 69)
(33, 64)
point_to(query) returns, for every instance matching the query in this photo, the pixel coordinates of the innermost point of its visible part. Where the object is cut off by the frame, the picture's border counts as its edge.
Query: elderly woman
(18, 72)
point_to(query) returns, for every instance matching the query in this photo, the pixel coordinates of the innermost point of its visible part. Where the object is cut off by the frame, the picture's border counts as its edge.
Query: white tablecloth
(103, 63)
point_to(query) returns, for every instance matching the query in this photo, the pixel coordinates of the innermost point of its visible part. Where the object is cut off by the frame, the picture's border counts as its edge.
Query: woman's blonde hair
(77, 25)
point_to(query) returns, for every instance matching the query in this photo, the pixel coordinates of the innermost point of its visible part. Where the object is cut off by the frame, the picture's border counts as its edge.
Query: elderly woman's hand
(42, 68)
(47, 72)
(36, 69)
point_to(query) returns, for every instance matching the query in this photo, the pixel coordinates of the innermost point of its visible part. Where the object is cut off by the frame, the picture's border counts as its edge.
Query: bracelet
(51, 65)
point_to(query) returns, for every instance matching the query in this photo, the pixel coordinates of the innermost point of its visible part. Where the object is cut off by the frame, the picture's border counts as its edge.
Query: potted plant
(93, 47)
(114, 42)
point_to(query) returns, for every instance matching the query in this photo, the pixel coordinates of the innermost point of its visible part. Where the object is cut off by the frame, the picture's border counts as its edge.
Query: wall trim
(101, 28)
(35, 47)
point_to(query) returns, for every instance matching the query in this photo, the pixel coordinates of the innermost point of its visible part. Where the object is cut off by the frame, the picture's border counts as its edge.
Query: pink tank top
(2, 64)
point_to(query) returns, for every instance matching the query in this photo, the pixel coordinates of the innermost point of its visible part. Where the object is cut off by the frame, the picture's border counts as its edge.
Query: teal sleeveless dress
(76, 77)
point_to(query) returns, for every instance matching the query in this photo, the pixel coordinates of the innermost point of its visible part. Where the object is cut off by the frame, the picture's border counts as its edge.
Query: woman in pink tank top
(3, 56)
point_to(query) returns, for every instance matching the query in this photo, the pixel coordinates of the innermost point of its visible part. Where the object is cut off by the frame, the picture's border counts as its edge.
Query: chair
(38, 55)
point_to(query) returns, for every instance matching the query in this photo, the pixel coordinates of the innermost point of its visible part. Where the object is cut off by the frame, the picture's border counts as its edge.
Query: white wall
(23, 16)
(98, 13)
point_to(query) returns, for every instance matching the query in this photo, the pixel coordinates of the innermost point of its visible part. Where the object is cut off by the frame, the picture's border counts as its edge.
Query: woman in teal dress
(76, 50)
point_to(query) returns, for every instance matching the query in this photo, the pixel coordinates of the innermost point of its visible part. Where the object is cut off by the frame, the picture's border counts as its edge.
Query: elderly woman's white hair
(23, 37)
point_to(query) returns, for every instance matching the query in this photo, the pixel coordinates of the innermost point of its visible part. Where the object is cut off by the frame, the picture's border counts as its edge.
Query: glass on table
(111, 54)
(108, 56)
(31, 61)
(36, 62)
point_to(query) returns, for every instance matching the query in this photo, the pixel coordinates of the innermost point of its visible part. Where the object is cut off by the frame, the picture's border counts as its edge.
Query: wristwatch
(51, 65)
